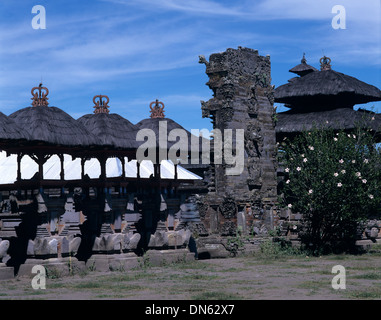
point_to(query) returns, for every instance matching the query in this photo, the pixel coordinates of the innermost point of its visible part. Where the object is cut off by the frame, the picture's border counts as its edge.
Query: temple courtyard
(259, 276)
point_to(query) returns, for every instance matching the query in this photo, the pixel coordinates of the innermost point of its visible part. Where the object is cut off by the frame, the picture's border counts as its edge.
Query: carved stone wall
(242, 99)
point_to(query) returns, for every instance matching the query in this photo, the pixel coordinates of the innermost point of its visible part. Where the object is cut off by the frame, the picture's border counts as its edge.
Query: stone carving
(372, 230)
(158, 240)
(229, 228)
(189, 215)
(43, 247)
(4, 246)
(242, 99)
(130, 242)
(201, 59)
(116, 243)
(162, 239)
(228, 208)
(70, 245)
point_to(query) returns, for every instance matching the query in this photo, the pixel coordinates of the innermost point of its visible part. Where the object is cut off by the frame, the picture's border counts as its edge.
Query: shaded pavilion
(116, 134)
(42, 131)
(50, 131)
(162, 127)
(324, 98)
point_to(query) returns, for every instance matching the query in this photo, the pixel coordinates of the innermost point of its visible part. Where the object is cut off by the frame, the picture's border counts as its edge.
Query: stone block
(158, 240)
(6, 273)
(130, 242)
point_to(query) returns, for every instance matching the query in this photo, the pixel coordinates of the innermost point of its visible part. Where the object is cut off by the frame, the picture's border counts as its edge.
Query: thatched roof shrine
(303, 68)
(157, 120)
(325, 99)
(325, 90)
(110, 129)
(51, 125)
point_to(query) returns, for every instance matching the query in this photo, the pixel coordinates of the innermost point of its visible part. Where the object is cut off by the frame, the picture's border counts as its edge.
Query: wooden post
(83, 160)
(62, 174)
(19, 157)
(102, 161)
(138, 170)
(175, 171)
(123, 162)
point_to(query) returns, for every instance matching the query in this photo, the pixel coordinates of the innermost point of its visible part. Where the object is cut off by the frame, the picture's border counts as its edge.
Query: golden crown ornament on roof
(158, 110)
(40, 96)
(101, 106)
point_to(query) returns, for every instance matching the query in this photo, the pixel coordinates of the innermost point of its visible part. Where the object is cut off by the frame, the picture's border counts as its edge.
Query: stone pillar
(242, 99)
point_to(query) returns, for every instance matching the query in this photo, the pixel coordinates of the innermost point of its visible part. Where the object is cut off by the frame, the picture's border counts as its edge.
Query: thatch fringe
(111, 130)
(53, 126)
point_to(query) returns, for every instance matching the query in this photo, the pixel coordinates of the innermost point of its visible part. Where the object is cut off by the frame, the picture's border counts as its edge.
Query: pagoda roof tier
(303, 68)
(324, 90)
(347, 119)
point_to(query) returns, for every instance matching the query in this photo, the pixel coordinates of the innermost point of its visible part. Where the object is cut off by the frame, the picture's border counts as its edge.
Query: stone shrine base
(5, 272)
(65, 266)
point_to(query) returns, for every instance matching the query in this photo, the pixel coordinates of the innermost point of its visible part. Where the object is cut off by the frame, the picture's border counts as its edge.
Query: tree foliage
(333, 179)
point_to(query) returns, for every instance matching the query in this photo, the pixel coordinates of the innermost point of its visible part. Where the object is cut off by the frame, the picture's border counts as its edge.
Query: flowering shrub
(334, 180)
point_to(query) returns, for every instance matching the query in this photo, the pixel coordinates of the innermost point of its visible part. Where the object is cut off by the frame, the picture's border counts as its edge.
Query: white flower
(298, 168)
(366, 161)
(294, 227)
(354, 136)
(341, 161)
(348, 135)
(288, 181)
(310, 191)
(358, 174)
(343, 171)
(289, 205)
(353, 161)
(335, 139)
(302, 155)
(339, 184)
(311, 148)
(287, 169)
(335, 174)
(364, 181)
(305, 160)
(372, 118)
(371, 196)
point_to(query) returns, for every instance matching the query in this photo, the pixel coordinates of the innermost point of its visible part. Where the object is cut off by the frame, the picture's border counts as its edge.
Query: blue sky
(136, 51)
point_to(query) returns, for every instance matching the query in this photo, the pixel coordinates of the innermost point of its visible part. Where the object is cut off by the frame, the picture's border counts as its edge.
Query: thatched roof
(53, 126)
(111, 129)
(9, 130)
(339, 119)
(326, 89)
(303, 68)
(153, 124)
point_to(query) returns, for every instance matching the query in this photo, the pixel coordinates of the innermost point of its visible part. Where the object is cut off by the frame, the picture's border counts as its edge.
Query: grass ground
(252, 277)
